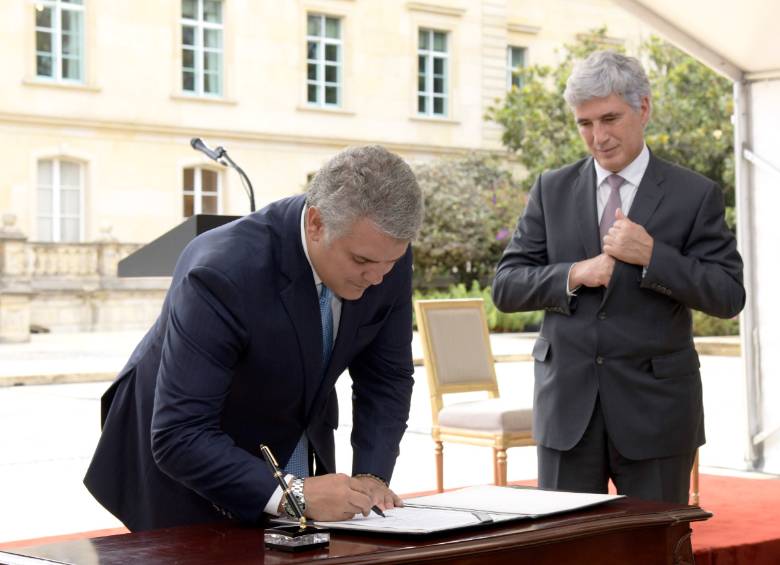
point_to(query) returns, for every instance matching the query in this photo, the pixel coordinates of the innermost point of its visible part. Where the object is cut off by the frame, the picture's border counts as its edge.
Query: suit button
(599, 360)
(602, 315)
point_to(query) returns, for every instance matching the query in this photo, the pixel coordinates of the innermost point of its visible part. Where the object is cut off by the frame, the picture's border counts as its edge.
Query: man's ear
(315, 229)
(645, 110)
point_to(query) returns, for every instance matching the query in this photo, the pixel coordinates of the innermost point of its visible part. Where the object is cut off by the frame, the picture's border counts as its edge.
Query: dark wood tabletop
(622, 531)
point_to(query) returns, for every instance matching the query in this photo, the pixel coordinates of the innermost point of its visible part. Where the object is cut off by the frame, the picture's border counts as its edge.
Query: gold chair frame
(500, 442)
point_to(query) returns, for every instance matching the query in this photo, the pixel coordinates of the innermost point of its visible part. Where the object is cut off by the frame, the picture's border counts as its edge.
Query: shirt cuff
(572, 292)
(272, 507)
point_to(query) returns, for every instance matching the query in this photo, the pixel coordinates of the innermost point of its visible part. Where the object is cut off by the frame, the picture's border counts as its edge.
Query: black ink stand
(293, 537)
(296, 537)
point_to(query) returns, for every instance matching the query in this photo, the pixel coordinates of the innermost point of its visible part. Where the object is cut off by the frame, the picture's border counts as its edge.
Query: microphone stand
(244, 179)
(221, 156)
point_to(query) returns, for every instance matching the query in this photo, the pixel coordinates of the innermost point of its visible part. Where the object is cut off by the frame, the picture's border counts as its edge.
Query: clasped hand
(337, 496)
(625, 241)
(628, 241)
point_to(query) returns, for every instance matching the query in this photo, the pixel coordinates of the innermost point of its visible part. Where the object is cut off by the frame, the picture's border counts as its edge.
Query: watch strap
(296, 491)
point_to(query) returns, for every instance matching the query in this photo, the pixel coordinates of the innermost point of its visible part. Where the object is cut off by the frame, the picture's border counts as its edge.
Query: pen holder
(296, 538)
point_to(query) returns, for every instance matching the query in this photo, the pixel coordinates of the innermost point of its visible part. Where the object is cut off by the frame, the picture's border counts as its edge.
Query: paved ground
(48, 432)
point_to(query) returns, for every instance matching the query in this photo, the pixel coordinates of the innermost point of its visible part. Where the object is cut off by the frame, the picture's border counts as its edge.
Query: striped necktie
(613, 203)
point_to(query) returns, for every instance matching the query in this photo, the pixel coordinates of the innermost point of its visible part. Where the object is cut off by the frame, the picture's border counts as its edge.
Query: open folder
(469, 507)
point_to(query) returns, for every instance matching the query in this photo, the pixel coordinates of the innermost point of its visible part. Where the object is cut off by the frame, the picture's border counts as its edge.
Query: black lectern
(158, 258)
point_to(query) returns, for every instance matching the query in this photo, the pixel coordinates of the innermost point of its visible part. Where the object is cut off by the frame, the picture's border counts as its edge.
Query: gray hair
(367, 182)
(604, 73)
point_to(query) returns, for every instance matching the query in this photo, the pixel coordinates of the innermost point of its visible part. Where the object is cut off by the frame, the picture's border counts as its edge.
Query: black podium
(158, 258)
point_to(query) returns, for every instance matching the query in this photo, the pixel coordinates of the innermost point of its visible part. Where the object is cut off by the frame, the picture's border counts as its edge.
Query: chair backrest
(456, 348)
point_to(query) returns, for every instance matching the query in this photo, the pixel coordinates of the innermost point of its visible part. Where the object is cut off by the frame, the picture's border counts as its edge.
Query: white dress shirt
(632, 176)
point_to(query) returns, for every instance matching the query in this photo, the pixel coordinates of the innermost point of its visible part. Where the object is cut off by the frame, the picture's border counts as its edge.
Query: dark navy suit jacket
(631, 343)
(235, 360)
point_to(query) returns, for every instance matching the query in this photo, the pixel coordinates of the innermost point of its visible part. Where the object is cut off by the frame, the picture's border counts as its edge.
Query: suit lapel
(300, 301)
(648, 196)
(299, 297)
(585, 200)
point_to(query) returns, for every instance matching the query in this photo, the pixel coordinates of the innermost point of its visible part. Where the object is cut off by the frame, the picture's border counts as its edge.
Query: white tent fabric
(741, 40)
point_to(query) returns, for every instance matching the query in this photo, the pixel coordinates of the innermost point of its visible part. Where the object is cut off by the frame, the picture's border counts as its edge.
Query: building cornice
(523, 28)
(169, 131)
(435, 9)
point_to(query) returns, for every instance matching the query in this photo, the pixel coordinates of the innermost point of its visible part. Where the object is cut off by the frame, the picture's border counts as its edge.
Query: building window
(201, 47)
(515, 59)
(432, 73)
(60, 187)
(59, 40)
(323, 60)
(201, 191)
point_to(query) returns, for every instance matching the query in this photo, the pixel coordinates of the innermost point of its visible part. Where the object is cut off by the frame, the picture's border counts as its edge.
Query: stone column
(15, 290)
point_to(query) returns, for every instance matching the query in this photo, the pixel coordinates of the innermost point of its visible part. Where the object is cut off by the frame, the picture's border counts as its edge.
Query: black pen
(378, 510)
(271, 460)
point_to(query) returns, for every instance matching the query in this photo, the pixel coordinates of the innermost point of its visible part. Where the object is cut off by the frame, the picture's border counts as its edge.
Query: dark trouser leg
(666, 478)
(583, 468)
(589, 465)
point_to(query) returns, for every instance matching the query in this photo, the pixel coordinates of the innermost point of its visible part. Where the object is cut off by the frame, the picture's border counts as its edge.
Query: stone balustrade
(70, 286)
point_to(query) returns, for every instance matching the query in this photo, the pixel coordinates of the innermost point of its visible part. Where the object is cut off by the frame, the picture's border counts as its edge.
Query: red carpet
(745, 526)
(744, 529)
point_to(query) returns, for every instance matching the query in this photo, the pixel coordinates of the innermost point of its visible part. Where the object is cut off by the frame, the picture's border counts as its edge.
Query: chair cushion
(493, 414)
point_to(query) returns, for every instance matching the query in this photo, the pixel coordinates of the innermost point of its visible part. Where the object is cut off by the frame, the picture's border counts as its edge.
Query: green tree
(691, 119)
(471, 207)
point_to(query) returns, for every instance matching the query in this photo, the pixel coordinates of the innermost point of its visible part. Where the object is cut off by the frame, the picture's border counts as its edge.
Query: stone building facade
(99, 100)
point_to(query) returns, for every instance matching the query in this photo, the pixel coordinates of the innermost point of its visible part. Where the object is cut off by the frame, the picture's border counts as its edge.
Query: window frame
(510, 69)
(197, 189)
(56, 35)
(429, 54)
(199, 50)
(321, 63)
(56, 216)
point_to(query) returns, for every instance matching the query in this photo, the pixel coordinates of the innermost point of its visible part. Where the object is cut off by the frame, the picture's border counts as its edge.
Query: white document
(529, 502)
(411, 520)
(472, 506)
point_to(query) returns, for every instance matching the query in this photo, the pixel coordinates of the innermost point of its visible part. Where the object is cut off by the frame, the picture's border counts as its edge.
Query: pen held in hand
(378, 510)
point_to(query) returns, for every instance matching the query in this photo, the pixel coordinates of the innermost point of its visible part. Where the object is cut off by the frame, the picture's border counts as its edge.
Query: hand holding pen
(336, 496)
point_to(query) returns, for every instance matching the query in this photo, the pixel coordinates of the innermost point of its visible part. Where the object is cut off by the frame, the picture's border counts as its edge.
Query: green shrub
(710, 325)
(703, 325)
(472, 204)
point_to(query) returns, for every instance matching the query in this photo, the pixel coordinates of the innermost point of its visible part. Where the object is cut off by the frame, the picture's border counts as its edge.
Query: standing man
(618, 248)
(262, 316)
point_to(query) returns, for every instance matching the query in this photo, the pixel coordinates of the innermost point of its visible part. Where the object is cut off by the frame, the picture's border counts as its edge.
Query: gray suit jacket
(630, 344)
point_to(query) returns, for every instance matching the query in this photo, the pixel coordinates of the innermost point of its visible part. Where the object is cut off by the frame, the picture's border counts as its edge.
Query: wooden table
(620, 532)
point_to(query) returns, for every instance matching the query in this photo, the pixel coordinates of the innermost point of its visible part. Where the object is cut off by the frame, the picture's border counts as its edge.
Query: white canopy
(741, 40)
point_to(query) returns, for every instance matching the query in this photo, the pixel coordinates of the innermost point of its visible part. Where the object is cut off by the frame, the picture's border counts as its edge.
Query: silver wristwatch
(296, 490)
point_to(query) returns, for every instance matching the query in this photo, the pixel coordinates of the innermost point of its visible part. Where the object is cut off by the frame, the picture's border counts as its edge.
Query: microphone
(198, 145)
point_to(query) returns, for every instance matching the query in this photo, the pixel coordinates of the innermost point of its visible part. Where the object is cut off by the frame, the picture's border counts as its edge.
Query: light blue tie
(298, 464)
(326, 316)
